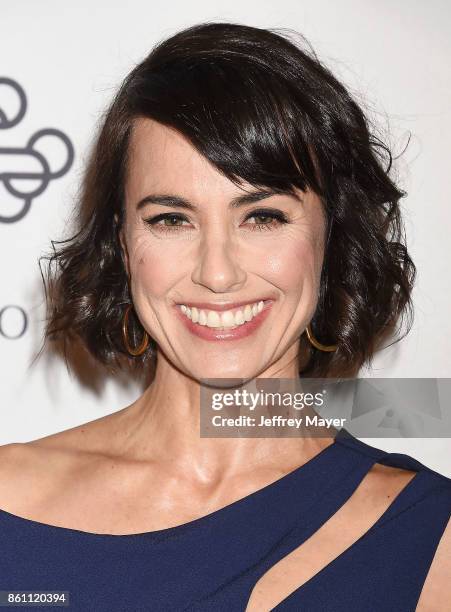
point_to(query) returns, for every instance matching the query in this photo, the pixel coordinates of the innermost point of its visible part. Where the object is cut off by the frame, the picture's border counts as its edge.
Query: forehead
(162, 160)
(159, 155)
(155, 140)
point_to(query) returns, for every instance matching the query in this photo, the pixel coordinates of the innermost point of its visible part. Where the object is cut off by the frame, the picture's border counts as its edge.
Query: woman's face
(215, 251)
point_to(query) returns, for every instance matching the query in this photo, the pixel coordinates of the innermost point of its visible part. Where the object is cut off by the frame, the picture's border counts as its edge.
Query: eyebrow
(179, 202)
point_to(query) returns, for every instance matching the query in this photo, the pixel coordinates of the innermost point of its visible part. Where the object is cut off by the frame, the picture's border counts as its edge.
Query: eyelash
(278, 216)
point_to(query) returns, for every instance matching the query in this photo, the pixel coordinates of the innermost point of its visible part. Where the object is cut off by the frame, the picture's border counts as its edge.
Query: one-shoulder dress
(212, 563)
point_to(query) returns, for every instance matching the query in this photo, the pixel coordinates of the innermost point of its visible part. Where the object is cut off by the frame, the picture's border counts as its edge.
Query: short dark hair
(264, 110)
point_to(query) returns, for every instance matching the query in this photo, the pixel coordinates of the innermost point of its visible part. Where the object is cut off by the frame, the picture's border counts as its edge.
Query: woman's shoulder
(428, 491)
(399, 460)
(31, 472)
(86, 438)
(426, 503)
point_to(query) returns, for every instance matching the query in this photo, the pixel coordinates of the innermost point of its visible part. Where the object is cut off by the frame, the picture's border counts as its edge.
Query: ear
(123, 244)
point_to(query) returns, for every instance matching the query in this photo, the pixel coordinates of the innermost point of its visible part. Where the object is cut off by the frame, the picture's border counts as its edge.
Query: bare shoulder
(22, 476)
(19, 462)
(31, 472)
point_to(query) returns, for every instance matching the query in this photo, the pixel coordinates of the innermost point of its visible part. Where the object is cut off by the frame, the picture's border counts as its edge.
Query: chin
(222, 374)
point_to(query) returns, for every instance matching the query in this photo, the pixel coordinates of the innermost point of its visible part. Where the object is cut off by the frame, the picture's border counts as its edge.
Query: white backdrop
(69, 58)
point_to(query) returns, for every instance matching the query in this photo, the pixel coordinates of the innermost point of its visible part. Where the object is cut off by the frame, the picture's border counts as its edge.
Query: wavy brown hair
(264, 110)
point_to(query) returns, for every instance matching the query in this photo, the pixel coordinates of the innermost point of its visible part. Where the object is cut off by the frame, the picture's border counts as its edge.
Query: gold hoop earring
(328, 348)
(145, 341)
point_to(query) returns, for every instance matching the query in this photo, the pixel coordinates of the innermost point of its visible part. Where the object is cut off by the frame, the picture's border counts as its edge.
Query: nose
(217, 264)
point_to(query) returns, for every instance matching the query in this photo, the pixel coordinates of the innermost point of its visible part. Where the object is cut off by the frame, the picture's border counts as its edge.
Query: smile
(228, 319)
(224, 325)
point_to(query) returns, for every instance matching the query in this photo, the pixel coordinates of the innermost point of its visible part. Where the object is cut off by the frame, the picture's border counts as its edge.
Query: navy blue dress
(212, 563)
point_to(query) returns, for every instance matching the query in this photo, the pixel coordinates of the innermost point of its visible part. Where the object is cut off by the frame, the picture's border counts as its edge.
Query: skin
(134, 470)
(216, 256)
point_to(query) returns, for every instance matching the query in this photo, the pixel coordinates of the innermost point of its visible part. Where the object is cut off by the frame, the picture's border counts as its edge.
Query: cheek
(295, 265)
(153, 268)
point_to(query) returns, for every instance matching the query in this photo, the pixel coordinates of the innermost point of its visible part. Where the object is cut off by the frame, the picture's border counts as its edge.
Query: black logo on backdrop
(25, 171)
(7, 329)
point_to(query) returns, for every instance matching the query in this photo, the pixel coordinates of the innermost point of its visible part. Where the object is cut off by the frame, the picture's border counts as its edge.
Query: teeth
(213, 319)
(226, 319)
(248, 313)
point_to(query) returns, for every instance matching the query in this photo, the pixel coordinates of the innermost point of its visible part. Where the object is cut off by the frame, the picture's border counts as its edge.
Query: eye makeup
(277, 218)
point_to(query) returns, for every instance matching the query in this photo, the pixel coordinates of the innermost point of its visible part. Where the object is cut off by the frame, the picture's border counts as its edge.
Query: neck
(162, 427)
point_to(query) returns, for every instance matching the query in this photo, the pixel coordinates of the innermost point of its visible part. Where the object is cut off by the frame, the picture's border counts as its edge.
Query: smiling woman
(236, 197)
(249, 110)
(274, 271)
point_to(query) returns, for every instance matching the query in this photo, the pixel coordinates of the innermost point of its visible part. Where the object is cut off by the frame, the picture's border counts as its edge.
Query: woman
(235, 199)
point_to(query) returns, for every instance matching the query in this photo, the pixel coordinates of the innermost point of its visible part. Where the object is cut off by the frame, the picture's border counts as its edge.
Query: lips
(225, 318)
(216, 332)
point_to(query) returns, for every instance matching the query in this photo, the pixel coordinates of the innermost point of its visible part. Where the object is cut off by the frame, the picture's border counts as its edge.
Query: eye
(273, 218)
(172, 225)
(266, 220)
